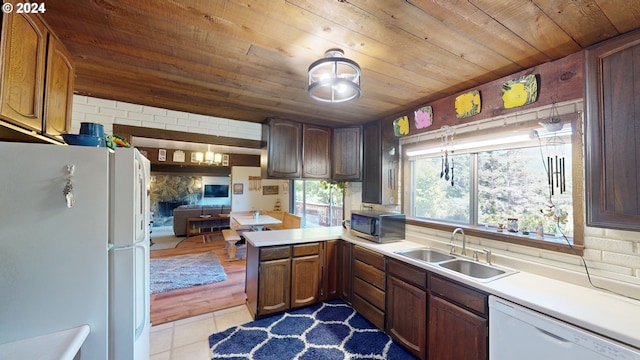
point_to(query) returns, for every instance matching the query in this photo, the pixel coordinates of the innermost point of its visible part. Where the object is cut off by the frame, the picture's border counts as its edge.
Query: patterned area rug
(183, 271)
(330, 330)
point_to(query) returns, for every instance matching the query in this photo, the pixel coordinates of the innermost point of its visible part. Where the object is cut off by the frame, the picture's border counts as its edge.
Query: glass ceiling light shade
(208, 156)
(334, 79)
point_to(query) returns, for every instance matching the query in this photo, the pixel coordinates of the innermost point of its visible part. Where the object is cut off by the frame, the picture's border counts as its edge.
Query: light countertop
(607, 314)
(60, 345)
(250, 220)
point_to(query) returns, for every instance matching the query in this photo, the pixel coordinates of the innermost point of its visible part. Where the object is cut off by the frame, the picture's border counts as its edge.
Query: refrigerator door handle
(140, 326)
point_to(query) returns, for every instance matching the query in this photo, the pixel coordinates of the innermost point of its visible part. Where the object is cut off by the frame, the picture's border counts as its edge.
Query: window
(483, 186)
(318, 203)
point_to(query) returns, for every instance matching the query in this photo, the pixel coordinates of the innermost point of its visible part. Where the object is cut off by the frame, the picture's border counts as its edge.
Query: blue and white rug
(183, 271)
(330, 330)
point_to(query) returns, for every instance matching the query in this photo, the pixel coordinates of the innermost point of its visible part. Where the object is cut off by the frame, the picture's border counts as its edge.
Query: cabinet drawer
(275, 252)
(369, 311)
(369, 274)
(369, 292)
(408, 273)
(306, 249)
(472, 299)
(369, 257)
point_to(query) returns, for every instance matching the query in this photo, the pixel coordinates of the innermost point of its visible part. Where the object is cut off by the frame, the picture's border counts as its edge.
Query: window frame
(511, 238)
(303, 215)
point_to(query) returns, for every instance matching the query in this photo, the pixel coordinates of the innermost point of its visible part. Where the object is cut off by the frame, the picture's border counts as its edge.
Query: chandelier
(209, 157)
(334, 78)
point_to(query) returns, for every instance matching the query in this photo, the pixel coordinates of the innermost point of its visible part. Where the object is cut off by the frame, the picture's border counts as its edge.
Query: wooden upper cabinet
(380, 168)
(372, 165)
(347, 154)
(612, 129)
(23, 55)
(316, 160)
(284, 149)
(58, 89)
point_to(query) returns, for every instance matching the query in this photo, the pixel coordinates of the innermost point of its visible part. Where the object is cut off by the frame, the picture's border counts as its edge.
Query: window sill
(492, 234)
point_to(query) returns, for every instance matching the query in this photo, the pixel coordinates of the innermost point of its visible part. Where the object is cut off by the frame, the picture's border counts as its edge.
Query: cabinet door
(345, 278)
(274, 286)
(330, 270)
(58, 94)
(347, 154)
(390, 170)
(23, 54)
(284, 149)
(612, 131)
(316, 150)
(455, 333)
(407, 315)
(305, 280)
(371, 169)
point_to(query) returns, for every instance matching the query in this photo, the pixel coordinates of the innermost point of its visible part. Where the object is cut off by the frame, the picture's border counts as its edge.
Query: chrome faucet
(464, 241)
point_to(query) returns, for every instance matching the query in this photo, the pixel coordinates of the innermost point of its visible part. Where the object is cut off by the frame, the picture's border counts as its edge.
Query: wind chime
(447, 141)
(555, 162)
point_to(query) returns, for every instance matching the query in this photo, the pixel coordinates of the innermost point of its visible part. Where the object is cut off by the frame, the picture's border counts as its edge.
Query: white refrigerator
(74, 246)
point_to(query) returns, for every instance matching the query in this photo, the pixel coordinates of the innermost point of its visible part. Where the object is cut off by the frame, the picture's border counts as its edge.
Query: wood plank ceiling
(248, 59)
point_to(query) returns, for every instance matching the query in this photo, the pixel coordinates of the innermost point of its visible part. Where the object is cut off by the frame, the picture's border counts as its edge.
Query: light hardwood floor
(182, 303)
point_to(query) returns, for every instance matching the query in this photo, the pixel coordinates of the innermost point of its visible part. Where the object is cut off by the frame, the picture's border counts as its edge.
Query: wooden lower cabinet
(407, 315)
(455, 333)
(368, 281)
(331, 270)
(274, 286)
(283, 277)
(345, 255)
(407, 306)
(305, 280)
(458, 321)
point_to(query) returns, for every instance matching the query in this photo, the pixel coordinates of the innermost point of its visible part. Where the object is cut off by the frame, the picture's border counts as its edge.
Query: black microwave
(378, 226)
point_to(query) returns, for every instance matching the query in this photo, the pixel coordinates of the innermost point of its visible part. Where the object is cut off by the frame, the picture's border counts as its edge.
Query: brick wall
(109, 112)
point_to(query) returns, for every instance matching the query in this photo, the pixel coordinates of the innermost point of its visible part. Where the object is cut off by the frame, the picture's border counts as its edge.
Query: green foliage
(511, 184)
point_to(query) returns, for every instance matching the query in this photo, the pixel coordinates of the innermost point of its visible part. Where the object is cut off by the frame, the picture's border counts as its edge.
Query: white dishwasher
(519, 333)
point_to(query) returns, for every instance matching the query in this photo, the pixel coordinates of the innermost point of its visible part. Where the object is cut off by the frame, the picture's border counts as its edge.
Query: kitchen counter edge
(571, 303)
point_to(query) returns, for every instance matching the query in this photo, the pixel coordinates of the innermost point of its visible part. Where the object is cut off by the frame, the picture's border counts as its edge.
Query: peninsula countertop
(610, 315)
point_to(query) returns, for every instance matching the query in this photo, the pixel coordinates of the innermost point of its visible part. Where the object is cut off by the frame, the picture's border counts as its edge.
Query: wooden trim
(576, 249)
(128, 131)
(578, 206)
(234, 160)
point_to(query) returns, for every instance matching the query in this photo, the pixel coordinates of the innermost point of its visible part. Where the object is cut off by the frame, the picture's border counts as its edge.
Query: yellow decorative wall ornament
(520, 91)
(468, 104)
(401, 126)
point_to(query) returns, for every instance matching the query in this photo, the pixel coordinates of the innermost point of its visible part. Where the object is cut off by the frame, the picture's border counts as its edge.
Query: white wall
(216, 180)
(254, 199)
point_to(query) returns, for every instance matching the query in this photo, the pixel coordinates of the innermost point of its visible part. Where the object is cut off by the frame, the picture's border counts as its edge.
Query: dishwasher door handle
(554, 338)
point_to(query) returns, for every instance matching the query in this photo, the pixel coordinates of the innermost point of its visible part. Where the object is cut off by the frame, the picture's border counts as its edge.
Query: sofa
(182, 213)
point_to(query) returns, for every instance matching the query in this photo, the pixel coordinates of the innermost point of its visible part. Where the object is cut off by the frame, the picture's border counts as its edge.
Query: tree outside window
(511, 183)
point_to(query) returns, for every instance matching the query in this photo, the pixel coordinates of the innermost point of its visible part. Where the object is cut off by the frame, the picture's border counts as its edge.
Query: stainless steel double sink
(470, 268)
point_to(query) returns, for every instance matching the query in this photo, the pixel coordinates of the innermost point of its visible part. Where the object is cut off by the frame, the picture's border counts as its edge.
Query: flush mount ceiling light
(334, 78)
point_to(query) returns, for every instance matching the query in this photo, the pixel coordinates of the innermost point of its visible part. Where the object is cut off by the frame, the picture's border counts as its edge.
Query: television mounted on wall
(216, 191)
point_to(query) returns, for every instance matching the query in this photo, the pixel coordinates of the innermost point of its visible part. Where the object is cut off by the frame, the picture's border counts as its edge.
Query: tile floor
(187, 339)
